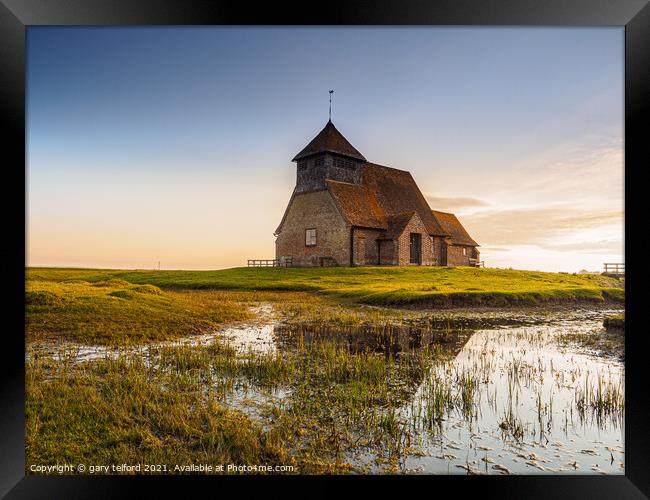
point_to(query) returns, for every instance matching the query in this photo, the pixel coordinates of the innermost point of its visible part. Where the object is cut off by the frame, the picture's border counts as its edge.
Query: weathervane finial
(331, 92)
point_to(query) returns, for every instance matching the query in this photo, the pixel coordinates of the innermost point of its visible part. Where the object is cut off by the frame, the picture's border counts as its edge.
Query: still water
(528, 413)
(536, 395)
(535, 402)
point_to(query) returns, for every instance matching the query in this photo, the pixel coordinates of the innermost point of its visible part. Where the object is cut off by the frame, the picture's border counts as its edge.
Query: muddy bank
(507, 301)
(614, 324)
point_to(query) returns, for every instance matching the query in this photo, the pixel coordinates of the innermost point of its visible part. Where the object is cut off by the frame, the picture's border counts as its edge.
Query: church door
(416, 248)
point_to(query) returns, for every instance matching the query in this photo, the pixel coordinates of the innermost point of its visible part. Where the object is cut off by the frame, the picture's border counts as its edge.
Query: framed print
(378, 243)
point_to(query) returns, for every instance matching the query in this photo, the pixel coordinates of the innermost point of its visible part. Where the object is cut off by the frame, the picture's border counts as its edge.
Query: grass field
(180, 404)
(114, 307)
(437, 286)
(117, 312)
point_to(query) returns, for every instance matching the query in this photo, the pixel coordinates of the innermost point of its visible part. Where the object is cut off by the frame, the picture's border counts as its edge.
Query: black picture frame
(15, 18)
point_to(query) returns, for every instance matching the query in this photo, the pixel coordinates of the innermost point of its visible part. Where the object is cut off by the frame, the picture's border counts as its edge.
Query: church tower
(345, 211)
(328, 156)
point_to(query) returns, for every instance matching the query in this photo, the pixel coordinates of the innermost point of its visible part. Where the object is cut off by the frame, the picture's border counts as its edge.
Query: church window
(310, 237)
(341, 163)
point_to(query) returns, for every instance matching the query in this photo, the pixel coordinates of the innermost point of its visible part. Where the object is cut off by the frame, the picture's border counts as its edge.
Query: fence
(284, 262)
(616, 269)
(261, 262)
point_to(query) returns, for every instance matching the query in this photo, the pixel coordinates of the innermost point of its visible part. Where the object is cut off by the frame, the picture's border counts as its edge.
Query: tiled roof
(387, 197)
(397, 223)
(451, 224)
(332, 141)
(396, 193)
(383, 199)
(357, 205)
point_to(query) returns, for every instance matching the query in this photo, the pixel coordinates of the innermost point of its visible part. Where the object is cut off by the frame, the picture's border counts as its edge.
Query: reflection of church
(394, 341)
(389, 340)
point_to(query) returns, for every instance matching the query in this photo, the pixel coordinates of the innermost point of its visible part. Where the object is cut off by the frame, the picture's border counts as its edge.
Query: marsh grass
(439, 286)
(128, 411)
(119, 313)
(601, 399)
(319, 402)
(176, 403)
(608, 342)
(324, 405)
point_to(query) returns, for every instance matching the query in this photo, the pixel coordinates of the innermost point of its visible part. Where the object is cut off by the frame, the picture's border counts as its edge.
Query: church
(346, 211)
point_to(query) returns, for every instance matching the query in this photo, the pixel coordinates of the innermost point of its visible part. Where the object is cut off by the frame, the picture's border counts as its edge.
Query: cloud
(494, 249)
(454, 203)
(537, 225)
(543, 259)
(578, 175)
(603, 246)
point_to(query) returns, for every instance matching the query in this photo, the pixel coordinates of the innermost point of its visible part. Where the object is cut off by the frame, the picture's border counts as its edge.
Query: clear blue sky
(149, 144)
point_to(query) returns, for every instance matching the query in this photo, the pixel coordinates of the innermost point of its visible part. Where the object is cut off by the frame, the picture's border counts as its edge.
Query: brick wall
(439, 249)
(387, 253)
(365, 247)
(403, 247)
(313, 210)
(455, 255)
(317, 210)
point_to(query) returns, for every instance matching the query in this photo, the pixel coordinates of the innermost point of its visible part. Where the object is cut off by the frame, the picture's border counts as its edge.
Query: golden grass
(441, 286)
(119, 313)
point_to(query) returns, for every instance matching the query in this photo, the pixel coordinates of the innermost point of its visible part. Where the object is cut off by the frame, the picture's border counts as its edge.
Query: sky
(174, 145)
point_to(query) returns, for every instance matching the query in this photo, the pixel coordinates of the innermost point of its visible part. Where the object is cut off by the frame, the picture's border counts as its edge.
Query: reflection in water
(497, 400)
(391, 340)
(525, 414)
(506, 400)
